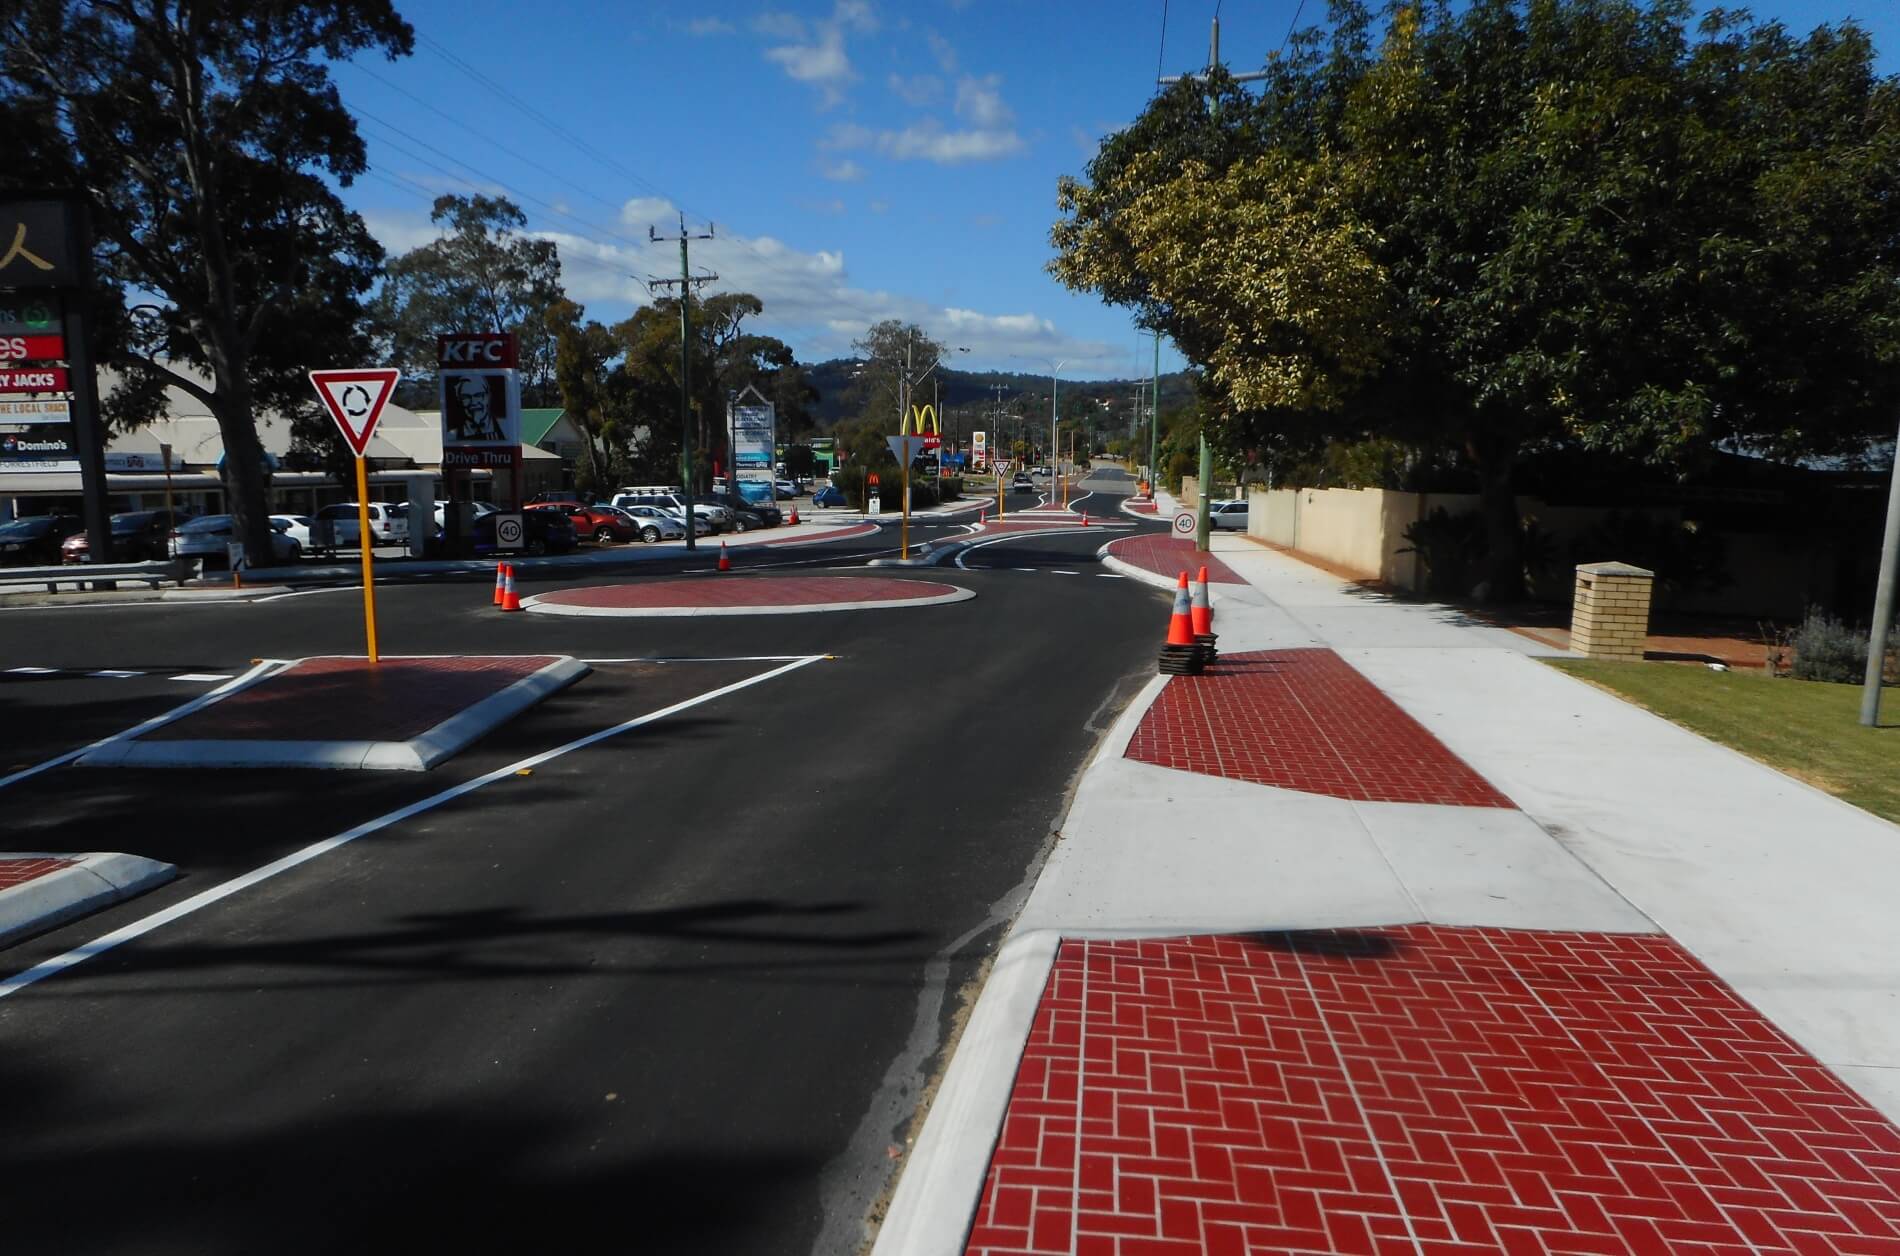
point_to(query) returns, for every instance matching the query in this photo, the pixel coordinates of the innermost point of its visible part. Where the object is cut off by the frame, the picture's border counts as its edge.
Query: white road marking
(112, 675)
(32, 671)
(197, 902)
(278, 597)
(206, 678)
(202, 700)
(1109, 575)
(1065, 573)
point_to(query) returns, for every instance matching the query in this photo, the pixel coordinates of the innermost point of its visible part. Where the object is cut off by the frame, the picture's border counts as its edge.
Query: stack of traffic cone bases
(510, 600)
(1203, 619)
(1181, 656)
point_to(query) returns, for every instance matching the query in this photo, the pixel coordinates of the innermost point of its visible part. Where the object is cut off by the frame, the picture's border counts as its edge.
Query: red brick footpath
(1169, 556)
(1409, 1088)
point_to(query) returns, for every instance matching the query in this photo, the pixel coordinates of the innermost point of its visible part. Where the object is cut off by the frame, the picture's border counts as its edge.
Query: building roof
(537, 422)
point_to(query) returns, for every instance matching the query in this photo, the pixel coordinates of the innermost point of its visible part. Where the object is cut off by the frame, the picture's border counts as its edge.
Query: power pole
(1154, 424)
(686, 282)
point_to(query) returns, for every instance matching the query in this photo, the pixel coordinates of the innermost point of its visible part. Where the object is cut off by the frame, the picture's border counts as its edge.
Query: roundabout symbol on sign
(508, 532)
(1184, 523)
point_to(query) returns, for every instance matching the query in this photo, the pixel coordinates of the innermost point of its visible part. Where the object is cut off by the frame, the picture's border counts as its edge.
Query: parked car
(830, 495)
(1022, 483)
(35, 541)
(209, 537)
(137, 536)
(543, 532)
(786, 489)
(656, 525)
(718, 518)
(748, 515)
(598, 523)
(1232, 514)
(442, 511)
(336, 525)
(296, 527)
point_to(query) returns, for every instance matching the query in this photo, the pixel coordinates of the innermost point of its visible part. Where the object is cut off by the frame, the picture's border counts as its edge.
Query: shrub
(1827, 649)
(1452, 549)
(1684, 557)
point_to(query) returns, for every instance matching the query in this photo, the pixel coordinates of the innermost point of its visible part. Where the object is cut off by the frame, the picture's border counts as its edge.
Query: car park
(830, 495)
(209, 538)
(1229, 514)
(35, 540)
(137, 536)
(599, 524)
(543, 532)
(748, 514)
(656, 525)
(717, 518)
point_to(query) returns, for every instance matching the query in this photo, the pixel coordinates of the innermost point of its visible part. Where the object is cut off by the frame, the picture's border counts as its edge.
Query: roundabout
(746, 595)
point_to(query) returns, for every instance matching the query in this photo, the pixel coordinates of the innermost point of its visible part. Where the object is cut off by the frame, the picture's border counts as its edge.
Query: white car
(1231, 514)
(296, 527)
(209, 536)
(717, 518)
(336, 525)
(657, 525)
(441, 511)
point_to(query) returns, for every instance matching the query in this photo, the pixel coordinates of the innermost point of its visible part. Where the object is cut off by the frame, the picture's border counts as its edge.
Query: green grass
(1808, 729)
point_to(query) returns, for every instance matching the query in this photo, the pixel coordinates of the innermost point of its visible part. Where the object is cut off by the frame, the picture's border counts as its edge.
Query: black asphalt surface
(644, 998)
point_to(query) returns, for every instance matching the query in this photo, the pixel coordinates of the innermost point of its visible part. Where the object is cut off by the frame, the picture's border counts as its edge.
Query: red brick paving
(19, 869)
(344, 699)
(1146, 508)
(731, 591)
(1305, 720)
(1423, 1090)
(1170, 556)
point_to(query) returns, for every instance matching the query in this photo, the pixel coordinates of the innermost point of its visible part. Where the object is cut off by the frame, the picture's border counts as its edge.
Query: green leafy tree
(206, 137)
(595, 393)
(483, 273)
(1565, 223)
(893, 351)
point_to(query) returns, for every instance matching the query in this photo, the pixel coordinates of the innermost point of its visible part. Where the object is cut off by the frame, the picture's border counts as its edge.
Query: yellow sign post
(355, 400)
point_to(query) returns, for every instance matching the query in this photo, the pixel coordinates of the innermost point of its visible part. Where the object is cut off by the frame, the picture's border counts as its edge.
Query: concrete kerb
(958, 594)
(96, 880)
(936, 1198)
(416, 754)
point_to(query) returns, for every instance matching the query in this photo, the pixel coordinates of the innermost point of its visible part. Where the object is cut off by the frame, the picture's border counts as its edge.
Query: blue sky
(859, 159)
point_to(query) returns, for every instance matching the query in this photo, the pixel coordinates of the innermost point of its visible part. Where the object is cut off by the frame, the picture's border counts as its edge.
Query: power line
(1297, 10)
(1161, 56)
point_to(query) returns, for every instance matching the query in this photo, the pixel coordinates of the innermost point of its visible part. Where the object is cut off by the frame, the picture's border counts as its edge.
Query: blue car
(829, 496)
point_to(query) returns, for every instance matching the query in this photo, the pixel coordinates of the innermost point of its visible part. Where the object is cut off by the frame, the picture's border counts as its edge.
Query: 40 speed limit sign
(508, 530)
(1184, 523)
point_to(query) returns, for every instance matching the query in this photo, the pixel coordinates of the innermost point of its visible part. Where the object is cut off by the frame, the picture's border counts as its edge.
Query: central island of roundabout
(746, 595)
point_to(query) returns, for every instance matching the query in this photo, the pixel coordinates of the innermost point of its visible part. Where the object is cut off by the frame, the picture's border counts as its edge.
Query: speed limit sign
(508, 530)
(1184, 523)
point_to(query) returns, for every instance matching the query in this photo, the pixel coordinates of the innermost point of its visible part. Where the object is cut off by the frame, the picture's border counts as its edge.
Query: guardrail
(174, 571)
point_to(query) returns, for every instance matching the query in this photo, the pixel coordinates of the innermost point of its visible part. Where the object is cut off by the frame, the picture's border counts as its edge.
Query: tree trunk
(1497, 500)
(243, 467)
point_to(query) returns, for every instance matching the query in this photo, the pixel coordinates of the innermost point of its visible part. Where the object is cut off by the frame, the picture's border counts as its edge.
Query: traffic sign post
(510, 531)
(907, 448)
(1184, 523)
(355, 400)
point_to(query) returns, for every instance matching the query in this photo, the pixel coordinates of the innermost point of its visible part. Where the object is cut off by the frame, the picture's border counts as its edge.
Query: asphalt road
(675, 991)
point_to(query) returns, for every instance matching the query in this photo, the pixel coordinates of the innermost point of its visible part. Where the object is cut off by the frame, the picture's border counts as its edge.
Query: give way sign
(355, 398)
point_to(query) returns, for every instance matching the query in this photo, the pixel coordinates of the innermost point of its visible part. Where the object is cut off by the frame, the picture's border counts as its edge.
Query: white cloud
(824, 64)
(779, 25)
(846, 171)
(927, 141)
(703, 26)
(940, 48)
(809, 299)
(647, 211)
(916, 91)
(980, 103)
(857, 14)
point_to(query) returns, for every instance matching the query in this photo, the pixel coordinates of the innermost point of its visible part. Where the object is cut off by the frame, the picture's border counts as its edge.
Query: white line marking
(205, 898)
(1109, 575)
(112, 675)
(278, 597)
(1065, 573)
(682, 658)
(1026, 569)
(202, 700)
(202, 677)
(32, 671)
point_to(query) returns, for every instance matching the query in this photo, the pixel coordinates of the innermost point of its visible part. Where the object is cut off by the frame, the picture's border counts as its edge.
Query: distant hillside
(837, 397)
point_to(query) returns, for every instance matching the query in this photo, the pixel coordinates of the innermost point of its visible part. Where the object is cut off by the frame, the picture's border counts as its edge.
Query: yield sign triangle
(355, 399)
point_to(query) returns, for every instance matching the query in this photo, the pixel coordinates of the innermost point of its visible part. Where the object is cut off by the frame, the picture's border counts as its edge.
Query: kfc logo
(495, 349)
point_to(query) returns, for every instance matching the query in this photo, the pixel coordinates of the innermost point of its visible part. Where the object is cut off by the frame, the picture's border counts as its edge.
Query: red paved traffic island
(1166, 555)
(404, 714)
(1423, 1090)
(746, 595)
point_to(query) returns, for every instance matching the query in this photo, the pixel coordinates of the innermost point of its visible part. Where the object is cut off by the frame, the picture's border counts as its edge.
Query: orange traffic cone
(725, 563)
(794, 519)
(510, 600)
(501, 578)
(1181, 656)
(1085, 518)
(1203, 608)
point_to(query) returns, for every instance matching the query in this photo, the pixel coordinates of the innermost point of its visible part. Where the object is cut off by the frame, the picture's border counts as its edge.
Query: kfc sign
(476, 349)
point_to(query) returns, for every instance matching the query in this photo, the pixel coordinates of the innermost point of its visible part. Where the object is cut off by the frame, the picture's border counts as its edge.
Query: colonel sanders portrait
(476, 408)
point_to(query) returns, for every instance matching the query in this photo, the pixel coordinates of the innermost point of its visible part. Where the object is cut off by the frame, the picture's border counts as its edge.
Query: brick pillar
(1609, 616)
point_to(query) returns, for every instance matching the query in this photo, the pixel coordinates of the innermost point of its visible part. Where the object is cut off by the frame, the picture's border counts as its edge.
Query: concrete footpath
(1384, 935)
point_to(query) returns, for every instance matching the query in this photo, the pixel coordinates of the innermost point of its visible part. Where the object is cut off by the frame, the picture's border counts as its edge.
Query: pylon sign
(355, 398)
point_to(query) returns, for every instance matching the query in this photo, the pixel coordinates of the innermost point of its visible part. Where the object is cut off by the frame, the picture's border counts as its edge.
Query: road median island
(39, 891)
(747, 595)
(403, 714)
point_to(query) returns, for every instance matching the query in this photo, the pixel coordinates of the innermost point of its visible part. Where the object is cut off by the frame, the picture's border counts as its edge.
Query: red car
(602, 523)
